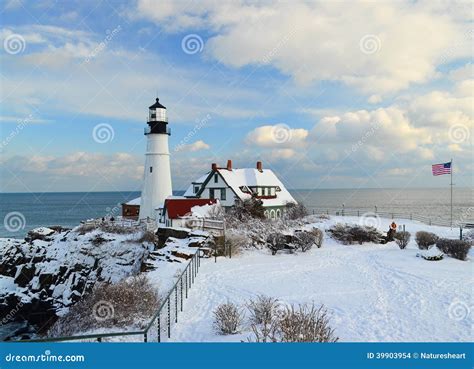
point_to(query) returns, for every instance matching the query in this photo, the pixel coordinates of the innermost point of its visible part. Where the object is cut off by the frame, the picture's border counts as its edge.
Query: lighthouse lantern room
(157, 177)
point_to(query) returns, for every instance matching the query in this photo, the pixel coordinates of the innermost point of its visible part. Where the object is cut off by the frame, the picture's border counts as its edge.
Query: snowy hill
(373, 292)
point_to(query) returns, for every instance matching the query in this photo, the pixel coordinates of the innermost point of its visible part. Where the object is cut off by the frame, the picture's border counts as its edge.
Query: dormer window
(196, 189)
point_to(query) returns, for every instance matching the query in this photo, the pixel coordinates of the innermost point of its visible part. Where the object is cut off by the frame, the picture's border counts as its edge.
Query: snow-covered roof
(134, 201)
(252, 177)
(249, 177)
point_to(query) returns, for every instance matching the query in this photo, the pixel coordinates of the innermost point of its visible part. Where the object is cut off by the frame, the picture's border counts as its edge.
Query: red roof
(179, 207)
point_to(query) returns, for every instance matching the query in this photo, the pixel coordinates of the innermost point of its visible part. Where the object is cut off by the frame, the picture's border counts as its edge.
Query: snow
(373, 292)
(134, 201)
(203, 211)
(43, 231)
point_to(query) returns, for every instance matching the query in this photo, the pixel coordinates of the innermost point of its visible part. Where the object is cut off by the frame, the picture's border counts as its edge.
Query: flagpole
(451, 193)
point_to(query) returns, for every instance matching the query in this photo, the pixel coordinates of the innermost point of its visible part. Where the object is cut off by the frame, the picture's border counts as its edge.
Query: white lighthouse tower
(157, 179)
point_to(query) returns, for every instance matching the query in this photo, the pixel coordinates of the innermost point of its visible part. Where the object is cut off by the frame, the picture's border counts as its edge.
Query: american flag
(440, 169)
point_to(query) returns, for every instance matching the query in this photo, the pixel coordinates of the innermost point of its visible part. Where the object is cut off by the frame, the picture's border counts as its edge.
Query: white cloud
(278, 135)
(195, 146)
(321, 40)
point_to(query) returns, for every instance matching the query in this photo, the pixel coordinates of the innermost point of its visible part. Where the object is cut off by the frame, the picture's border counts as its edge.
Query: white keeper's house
(229, 185)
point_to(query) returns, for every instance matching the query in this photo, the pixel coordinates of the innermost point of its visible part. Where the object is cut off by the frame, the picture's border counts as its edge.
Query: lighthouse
(157, 178)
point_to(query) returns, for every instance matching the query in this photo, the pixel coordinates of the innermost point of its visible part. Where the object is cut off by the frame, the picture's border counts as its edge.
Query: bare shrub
(425, 239)
(130, 303)
(216, 212)
(236, 242)
(294, 211)
(349, 234)
(228, 318)
(402, 238)
(307, 323)
(86, 228)
(318, 237)
(469, 237)
(304, 240)
(277, 241)
(457, 249)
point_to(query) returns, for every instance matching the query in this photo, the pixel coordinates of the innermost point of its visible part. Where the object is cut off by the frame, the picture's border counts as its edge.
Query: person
(391, 232)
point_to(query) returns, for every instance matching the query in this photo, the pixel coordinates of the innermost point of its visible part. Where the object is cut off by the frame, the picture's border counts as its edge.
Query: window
(265, 191)
(272, 214)
(272, 191)
(278, 213)
(216, 178)
(259, 191)
(196, 189)
(211, 193)
(223, 193)
(151, 169)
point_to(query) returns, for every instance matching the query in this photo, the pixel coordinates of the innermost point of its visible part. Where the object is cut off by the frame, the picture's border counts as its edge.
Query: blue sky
(328, 95)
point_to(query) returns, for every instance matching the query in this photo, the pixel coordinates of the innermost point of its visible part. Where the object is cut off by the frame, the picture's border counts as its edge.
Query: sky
(339, 94)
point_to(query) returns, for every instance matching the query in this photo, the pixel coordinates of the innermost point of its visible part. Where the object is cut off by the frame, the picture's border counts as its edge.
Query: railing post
(186, 282)
(99, 339)
(145, 338)
(169, 318)
(159, 327)
(358, 213)
(460, 233)
(176, 302)
(181, 282)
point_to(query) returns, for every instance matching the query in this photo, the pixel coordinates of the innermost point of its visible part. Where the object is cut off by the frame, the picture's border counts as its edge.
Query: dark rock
(164, 233)
(25, 274)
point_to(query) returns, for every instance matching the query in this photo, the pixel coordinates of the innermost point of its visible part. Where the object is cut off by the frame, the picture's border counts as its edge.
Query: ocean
(31, 210)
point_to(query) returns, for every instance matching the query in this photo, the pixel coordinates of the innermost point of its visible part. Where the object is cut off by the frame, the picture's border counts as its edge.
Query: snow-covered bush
(147, 236)
(248, 208)
(295, 211)
(117, 228)
(469, 236)
(130, 303)
(278, 241)
(425, 239)
(304, 241)
(262, 309)
(236, 242)
(228, 318)
(318, 237)
(455, 248)
(402, 238)
(348, 234)
(85, 228)
(307, 323)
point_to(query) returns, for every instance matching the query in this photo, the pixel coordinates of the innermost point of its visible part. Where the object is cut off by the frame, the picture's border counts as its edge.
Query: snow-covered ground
(373, 292)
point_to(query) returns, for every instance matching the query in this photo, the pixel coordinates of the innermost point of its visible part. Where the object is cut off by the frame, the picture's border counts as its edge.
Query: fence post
(159, 327)
(176, 302)
(99, 339)
(460, 233)
(145, 339)
(411, 216)
(169, 318)
(358, 214)
(181, 282)
(186, 282)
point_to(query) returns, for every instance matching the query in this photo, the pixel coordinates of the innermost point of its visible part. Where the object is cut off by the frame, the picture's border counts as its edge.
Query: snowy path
(374, 292)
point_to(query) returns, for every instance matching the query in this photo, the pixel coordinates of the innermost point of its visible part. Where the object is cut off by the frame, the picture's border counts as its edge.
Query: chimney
(259, 166)
(214, 167)
(229, 164)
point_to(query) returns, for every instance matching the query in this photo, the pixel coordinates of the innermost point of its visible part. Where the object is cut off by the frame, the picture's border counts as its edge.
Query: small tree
(228, 318)
(304, 240)
(402, 238)
(249, 208)
(425, 239)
